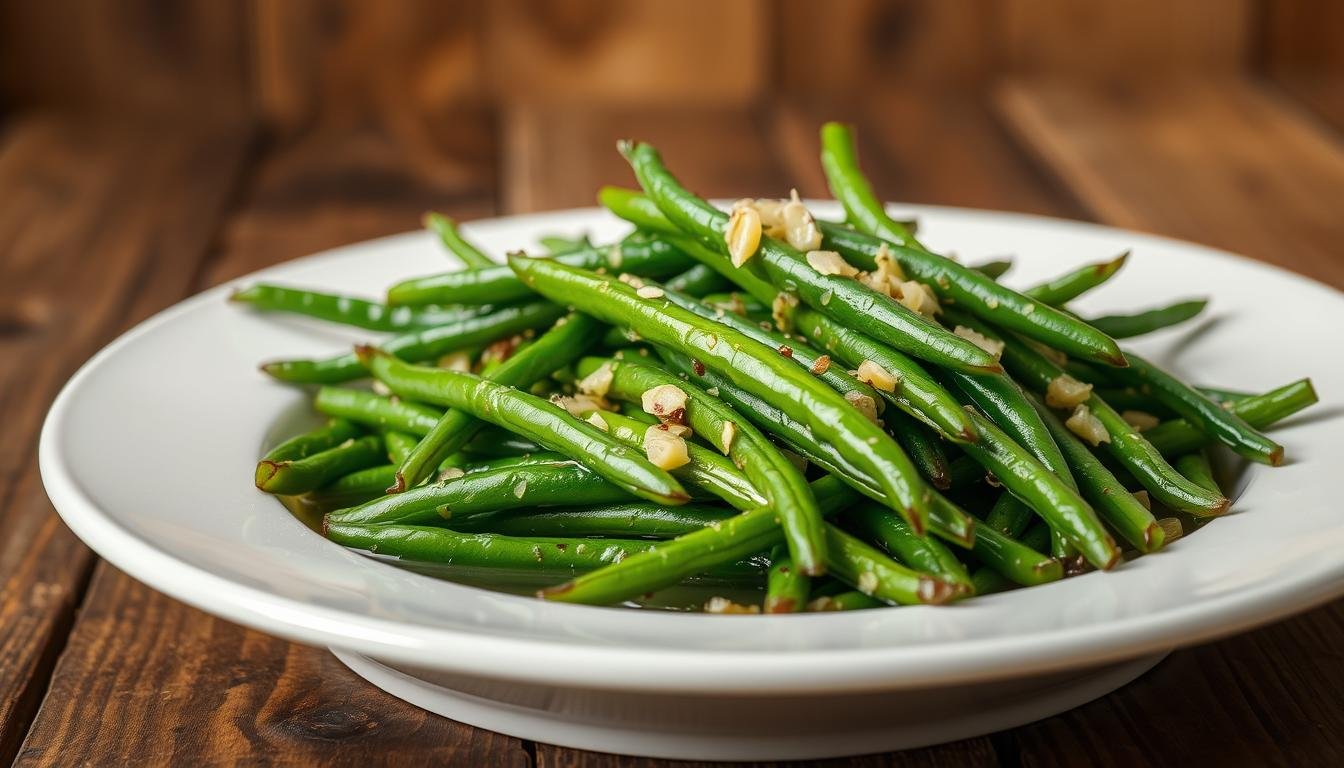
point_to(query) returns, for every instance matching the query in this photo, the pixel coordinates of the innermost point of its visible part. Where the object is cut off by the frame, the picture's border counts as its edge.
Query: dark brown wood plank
(101, 226)
(148, 681)
(145, 679)
(1227, 163)
(1303, 53)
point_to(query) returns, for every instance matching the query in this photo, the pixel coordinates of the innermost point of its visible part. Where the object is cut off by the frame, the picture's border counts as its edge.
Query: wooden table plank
(1230, 164)
(148, 680)
(100, 227)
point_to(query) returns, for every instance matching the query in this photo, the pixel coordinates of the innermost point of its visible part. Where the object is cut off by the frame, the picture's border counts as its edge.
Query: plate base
(691, 727)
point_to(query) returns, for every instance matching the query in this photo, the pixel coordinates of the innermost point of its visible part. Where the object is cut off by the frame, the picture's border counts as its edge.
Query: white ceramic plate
(148, 454)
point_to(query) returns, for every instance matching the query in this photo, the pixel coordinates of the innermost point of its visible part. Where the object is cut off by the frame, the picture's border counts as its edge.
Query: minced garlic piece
(598, 382)
(723, 605)
(919, 297)
(580, 404)
(666, 401)
(877, 376)
(867, 582)
(1140, 420)
(992, 346)
(665, 450)
(729, 433)
(649, 292)
(1066, 392)
(1171, 526)
(830, 263)
(887, 278)
(865, 403)
(1144, 499)
(596, 420)
(676, 430)
(772, 216)
(800, 229)
(456, 361)
(743, 234)
(1087, 426)
(821, 365)
(379, 388)
(451, 473)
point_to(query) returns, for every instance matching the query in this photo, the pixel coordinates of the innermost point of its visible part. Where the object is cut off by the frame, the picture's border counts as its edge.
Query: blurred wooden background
(150, 149)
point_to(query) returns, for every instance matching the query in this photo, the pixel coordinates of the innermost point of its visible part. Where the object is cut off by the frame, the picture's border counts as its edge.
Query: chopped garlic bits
(1084, 424)
(743, 234)
(664, 449)
(649, 292)
(580, 404)
(598, 382)
(1140, 420)
(781, 311)
(724, 606)
(666, 401)
(878, 377)
(918, 297)
(1065, 391)
(830, 263)
(800, 229)
(992, 346)
(865, 403)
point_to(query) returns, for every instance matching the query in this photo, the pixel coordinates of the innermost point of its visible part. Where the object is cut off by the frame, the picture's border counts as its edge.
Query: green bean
(562, 344)
(462, 498)
(1180, 436)
(558, 244)
(1211, 418)
(975, 292)
(422, 345)
(637, 254)
(349, 310)
(1225, 395)
(1195, 466)
(1042, 490)
(736, 537)
(531, 417)
(852, 600)
(988, 581)
(377, 411)
(550, 557)
(472, 463)
(399, 445)
(329, 435)
(918, 393)
(1015, 560)
(1133, 399)
(786, 587)
(866, 568)
(294, 476)
(750, 365)
(494, 442)
(1071, 285)
(800, 353)
(845, 299)
(699, 280)
(470, 256)
(1006, 404)
(718, 424)
(922, 445)
(1139, 323)
(628, 520)
(740, 304)
(709, 471)
(355, 488)
(1130, 449)
(993, 269)
(1116, 505)
(1009, 516)
(633, 206)
(948, 522)
(922, 553)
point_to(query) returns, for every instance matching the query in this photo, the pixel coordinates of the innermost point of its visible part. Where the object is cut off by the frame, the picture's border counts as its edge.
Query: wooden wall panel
(343, 62)
(1304, 52)
(125, 57)
(848, 46)
(1126, 39)
(628, 51)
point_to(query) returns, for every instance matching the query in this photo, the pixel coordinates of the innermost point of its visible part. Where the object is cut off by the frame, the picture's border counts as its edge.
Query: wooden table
(102, 226)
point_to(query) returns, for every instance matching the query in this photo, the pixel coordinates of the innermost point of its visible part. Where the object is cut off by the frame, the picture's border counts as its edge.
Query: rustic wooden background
(151, 149)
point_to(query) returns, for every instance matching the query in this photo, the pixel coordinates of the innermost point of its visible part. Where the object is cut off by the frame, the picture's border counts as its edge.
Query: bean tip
(267, 469)
(1153, 537)
(1114, 264)
(1276, 456)
(554, 592)
(399, 485)
(780, 605)
(936, 591)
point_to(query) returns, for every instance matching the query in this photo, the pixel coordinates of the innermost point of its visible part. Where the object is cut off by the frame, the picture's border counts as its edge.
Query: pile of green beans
(751, 401)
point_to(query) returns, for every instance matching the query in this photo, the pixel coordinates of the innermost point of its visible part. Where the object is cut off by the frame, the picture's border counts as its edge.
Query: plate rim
(624, 668)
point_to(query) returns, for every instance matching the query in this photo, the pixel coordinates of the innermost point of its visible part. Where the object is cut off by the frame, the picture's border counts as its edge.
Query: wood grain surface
(334, 121)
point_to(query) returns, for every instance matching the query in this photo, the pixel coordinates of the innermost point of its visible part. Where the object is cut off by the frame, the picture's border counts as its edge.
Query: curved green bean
(470, 256)
(973, 291)
(365, 407)
(294, 476)
(715, 422)
(1071, 285)
(1139, 323)
(329, 435)
(633, 519)
(531, 417)
(423, 345)
(349, 310)
(1180, 436)
(570, 337)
